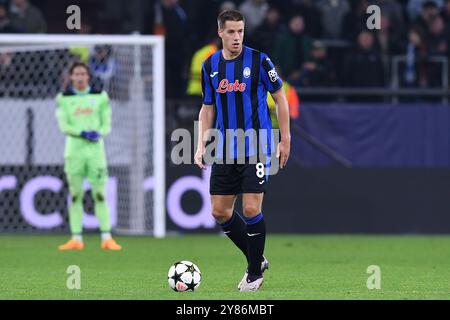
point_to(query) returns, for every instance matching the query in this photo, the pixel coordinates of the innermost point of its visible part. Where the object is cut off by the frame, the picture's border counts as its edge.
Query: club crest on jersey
(247, 72)
(225, 86)
(273, 75)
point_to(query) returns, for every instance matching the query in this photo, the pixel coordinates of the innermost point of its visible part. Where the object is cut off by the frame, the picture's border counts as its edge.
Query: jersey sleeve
(105, 115)
(207, 89)
(63, 118)
(269, 76)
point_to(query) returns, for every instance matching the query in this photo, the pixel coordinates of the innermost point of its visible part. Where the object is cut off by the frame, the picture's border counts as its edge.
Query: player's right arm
(205, 117)
(205, 122)
(63, 118)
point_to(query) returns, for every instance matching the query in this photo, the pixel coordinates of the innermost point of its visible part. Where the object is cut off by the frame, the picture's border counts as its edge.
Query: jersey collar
(84, 92)
(231, 60)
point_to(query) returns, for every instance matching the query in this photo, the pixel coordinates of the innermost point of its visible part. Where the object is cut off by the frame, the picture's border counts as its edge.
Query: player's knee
(99, 196)
(76, 197)
(251, 210)
(221, 215)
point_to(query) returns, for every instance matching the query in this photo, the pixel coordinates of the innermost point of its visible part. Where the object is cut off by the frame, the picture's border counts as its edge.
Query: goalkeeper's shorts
(95, 170)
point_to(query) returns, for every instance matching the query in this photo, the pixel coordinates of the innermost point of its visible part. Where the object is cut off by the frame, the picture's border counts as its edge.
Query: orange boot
(111, 244)
(72, 245)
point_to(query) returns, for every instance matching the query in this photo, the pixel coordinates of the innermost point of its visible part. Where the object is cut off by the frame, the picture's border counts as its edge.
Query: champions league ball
(184, 276)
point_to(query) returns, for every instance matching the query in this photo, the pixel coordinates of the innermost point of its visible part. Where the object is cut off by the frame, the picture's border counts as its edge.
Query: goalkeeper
(84, 116)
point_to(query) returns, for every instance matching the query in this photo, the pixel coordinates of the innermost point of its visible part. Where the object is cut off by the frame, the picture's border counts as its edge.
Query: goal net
(33, 189)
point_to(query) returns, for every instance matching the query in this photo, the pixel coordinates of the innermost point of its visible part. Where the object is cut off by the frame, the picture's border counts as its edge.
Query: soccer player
(235, 83)
(84, 116)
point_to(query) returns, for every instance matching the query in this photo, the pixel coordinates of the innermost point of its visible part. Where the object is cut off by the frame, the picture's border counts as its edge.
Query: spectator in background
(7, 73)
(264, 37)
(415, 7)
(200, 28)
(254, 12)
(292, 49)
(333, 13)
(446, 16)
(85, 27)
(438, 38)
(394, 13)
(171, 21)
(415, 74)
(389, 42)
(82, 51)
(194, 87)
(16, 80)
(311, 15)
(355, 20)
(5, 22)
(317, 71)
(429, 11)
(102, 65)
(364, 67)
(27, 17)
(446, 12)
(437, 44)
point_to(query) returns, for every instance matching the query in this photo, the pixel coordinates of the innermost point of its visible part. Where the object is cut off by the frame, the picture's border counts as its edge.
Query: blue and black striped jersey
(238, 90)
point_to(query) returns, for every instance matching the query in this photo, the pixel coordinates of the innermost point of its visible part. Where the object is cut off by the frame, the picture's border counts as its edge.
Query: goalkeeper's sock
(256, 238)
(102, 213)
(77, 237)
(235, 230)
(106, 236)
(76, 215)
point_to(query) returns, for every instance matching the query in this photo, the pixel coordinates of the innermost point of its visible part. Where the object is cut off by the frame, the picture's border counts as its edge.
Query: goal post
(130, 68)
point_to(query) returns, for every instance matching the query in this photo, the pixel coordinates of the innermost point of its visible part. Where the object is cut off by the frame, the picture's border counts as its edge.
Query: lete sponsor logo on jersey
(225, 86)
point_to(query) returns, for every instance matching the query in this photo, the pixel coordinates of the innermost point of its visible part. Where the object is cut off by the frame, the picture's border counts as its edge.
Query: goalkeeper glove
(92, 136)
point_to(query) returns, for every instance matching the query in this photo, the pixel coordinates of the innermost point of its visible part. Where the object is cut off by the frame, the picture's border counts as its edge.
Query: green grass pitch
(301, 267)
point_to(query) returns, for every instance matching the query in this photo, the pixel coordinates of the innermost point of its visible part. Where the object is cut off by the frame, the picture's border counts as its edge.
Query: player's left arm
(284, 147)
(274, 85)
(105, 116)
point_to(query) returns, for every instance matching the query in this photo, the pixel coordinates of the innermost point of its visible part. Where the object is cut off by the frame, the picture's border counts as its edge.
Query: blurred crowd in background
(314, 43)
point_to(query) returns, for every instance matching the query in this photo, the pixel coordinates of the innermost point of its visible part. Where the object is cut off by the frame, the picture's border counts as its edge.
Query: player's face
(80, 78)
(232, 36)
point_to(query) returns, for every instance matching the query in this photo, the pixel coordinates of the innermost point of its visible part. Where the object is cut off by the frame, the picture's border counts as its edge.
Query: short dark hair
(79, 64)
(229, 15)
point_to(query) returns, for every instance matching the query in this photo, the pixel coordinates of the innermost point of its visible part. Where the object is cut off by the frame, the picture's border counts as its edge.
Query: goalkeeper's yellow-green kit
(79, 112)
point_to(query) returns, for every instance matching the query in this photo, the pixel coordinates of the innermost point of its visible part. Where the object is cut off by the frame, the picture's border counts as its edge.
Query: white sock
(106, 235)
(77, 237)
